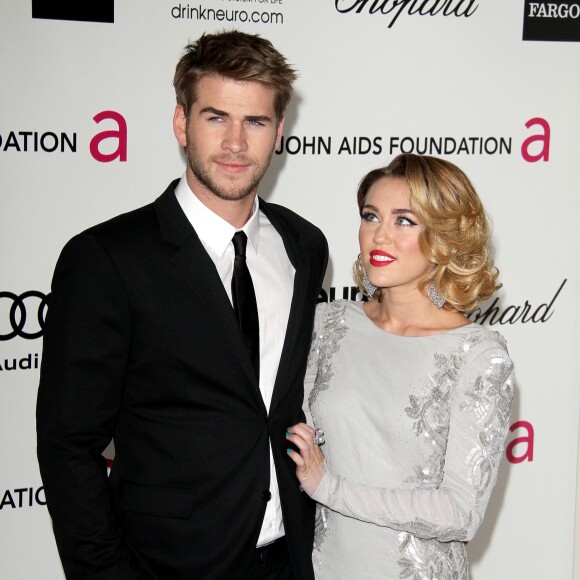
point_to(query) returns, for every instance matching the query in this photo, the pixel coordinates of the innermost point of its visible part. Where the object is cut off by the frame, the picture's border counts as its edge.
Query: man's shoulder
(130, 225)
(121, 235)
(123, 223)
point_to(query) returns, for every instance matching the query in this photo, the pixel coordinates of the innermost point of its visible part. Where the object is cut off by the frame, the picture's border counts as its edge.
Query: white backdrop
(366, 92)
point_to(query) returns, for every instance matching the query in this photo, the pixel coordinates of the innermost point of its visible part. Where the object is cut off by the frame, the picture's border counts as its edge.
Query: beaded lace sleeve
(451, 508)
(312, 366)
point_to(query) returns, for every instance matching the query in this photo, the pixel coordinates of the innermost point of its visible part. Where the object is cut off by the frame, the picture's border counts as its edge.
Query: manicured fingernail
(288, 433)
(288, 450)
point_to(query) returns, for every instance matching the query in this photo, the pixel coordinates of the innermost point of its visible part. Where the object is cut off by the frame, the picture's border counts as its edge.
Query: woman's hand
(310, 467)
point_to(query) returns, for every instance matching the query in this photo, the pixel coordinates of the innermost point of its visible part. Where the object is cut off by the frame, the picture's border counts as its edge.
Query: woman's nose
(382, 234)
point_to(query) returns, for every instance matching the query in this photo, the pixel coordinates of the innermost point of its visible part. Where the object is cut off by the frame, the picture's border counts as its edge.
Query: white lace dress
(414, 429)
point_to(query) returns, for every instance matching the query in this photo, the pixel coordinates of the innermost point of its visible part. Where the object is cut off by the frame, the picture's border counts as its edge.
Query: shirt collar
(214, 232)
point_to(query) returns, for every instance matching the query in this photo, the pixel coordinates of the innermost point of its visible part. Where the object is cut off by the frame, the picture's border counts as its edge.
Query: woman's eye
(369, 216)
(405, 221)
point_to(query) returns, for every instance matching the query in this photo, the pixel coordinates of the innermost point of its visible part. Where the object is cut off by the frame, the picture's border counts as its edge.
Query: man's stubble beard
(233, 193)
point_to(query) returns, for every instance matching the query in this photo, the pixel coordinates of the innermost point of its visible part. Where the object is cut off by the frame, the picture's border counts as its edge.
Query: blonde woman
(409, 400)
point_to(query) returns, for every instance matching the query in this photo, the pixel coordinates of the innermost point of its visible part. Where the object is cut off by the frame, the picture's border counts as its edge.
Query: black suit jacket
(141, 345)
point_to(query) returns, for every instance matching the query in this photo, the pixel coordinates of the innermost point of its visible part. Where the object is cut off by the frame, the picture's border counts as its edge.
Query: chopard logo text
(395, 8)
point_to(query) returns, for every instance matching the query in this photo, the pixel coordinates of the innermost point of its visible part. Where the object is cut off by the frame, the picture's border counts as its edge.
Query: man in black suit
(147, 342)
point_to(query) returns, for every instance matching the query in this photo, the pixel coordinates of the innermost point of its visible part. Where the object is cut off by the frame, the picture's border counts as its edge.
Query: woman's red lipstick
(380, 258)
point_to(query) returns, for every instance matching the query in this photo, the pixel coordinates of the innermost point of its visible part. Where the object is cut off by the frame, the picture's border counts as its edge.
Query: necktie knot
(240, 240)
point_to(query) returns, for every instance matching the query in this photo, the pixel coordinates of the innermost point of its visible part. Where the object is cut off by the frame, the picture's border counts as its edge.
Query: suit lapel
(300, 259)
(198, 270)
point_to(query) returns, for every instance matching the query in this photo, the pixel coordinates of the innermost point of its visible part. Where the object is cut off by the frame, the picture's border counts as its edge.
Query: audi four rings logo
(26, 314)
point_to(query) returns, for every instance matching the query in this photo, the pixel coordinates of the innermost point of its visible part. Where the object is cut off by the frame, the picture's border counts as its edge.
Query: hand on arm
(310, 466)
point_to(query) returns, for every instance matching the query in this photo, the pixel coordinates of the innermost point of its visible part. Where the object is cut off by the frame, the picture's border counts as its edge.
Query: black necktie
(244, 300)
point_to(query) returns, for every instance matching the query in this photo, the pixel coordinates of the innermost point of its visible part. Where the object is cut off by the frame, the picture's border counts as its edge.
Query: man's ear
(180, 125)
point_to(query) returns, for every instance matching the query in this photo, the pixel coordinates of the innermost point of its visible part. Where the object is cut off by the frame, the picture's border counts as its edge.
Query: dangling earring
(434, 296)
(369, 288)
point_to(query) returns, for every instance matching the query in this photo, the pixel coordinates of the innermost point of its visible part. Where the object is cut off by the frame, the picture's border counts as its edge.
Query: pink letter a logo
(120, 135)
(526, 440)
(544, 138)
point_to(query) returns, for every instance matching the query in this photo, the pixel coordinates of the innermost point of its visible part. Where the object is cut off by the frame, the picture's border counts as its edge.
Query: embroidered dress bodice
(414, 430)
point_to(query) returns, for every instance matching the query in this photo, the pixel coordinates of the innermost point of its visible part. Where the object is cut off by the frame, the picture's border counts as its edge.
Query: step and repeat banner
(86, 105)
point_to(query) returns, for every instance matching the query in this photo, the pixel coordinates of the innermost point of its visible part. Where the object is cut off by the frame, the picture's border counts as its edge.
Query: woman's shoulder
(331, 316)
(337, 308)
(483, 335)
(479, 343)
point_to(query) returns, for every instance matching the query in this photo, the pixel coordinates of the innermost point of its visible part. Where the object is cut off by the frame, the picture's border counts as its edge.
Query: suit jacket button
(266, 495)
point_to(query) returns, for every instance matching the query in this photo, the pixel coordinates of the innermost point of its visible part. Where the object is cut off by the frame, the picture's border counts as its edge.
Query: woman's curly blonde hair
(455, 230)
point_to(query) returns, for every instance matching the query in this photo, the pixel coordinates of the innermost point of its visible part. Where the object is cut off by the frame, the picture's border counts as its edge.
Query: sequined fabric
(414, 430)
(430, 559)
(325, 343)
(325, 346)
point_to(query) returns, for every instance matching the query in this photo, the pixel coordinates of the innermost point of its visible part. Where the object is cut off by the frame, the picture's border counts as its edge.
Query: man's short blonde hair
(234, 55)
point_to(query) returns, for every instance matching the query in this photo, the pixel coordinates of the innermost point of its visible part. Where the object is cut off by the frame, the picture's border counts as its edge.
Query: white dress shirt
(273, 279)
